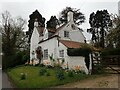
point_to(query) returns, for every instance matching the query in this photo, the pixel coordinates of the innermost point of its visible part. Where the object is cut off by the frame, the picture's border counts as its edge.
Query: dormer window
(66, 33)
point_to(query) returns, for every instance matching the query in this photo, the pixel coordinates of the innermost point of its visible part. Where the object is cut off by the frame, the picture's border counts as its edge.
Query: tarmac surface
(5, 81)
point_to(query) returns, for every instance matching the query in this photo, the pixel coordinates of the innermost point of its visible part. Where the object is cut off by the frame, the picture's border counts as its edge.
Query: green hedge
(107, 52)
(78, 51)
(18, 58)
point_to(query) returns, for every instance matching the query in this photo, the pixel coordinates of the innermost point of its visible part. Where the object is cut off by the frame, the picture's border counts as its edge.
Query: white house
(119, 8)
(54, 43)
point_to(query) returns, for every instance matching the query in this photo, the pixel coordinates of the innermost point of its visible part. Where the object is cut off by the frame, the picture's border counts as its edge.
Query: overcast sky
(47, 8)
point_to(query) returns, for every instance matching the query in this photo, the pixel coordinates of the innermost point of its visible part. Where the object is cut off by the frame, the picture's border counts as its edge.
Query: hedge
(78, 51)
(114, 51)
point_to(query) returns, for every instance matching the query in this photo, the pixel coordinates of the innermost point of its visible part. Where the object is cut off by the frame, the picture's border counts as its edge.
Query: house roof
(48, 38)
(70, 44)
(40, 30)
(59, 28)
(52, 30)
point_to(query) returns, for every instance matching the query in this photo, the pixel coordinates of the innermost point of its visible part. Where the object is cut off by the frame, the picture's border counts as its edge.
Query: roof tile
(71, 44)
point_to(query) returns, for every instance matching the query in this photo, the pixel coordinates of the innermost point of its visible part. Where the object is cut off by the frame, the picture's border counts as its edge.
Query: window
(66, 34)
(45, 53)
(61, 53)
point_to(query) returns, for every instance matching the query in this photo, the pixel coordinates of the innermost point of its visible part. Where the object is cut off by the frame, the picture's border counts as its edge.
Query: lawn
(35, 80)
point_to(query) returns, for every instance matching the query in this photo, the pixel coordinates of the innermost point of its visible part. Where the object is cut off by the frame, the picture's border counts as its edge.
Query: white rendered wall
(74, 35)
(77, 61)
(77, 36)
(34, 42)
(51, 46)
(73, 61)
(119, 8)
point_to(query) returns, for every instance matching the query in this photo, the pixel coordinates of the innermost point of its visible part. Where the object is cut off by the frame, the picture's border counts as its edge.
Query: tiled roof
(41, 30)
(59, 28)
(52, 30)
(48, 38)
(71, 44)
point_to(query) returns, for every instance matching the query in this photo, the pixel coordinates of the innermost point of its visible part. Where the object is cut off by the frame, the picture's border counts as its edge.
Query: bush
(42, 71)
(47, 74)
(49, 66)
(37, 64)
(70, 73)
(82, 72)
(23, 76)
(98, 69)
(60, 75)
(41, 65)
(13, 60)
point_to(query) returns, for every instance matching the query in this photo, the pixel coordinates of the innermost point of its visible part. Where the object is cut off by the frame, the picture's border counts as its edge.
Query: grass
(34, 80)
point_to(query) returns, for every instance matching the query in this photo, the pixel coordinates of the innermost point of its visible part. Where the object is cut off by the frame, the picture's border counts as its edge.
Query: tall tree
(52, 23)
(78, 16)
(113, 37)
(100, 23)
(13, 37)
(33, 16)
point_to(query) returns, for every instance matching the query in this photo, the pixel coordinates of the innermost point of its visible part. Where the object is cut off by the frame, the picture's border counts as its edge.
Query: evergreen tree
(77, 15)
(52, 23)
(100, 23)
(33, 16)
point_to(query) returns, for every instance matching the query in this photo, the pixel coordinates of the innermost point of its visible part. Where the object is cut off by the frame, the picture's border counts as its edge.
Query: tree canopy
(52, 23)
(77, 15)
(33, 16)
(100, 23)
(113, 37)
(13, 38)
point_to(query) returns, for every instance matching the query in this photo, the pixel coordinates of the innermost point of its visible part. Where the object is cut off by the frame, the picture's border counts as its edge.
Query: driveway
(108, 81)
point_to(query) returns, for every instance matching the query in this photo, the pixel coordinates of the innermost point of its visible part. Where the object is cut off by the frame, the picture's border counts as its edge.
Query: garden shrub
(23, 76)
(98, 69)
(47, 74)
(82, 72)
(16, 59)
(49, 66)
(42, 71)
(60, 75)
(70, 74)
(41, 65)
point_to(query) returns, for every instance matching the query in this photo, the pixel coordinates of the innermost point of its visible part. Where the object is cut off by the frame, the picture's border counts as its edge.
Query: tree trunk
(102, 38)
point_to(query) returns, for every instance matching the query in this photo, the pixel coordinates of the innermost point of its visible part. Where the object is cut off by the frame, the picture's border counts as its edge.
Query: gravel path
(109, 81)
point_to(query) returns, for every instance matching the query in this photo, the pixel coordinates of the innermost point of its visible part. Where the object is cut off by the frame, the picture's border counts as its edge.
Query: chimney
(70, 16)
(36, 23)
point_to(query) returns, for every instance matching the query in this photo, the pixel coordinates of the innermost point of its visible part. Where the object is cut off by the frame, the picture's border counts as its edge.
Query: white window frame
(61, 53)
(46, 54)
(66, 33)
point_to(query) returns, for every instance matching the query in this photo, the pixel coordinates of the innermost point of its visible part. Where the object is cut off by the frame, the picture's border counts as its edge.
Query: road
(5, 81)
(0, 78)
